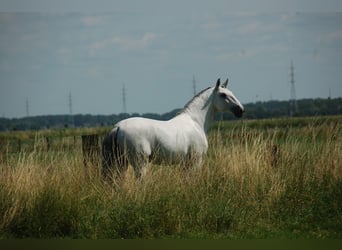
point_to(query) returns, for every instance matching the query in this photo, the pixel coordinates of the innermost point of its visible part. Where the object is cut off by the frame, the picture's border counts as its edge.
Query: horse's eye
(223, 95)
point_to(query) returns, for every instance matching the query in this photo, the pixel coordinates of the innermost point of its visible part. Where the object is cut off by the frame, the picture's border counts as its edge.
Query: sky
(49, 50)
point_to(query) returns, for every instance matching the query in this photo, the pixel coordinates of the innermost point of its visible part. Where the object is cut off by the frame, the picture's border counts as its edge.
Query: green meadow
(264, 179)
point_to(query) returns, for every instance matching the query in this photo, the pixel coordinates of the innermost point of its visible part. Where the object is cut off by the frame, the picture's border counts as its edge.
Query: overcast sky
(49, 51)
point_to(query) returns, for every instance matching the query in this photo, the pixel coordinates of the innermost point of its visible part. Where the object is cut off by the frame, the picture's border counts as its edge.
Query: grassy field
(261, 179)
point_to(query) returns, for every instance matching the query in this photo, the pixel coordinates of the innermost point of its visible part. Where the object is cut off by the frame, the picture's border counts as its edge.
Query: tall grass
(245, 189)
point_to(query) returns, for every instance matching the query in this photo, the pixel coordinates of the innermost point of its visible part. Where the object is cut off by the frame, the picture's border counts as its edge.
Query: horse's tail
(109, 152)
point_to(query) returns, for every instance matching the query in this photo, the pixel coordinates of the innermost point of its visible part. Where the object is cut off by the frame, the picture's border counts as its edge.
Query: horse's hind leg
(114, 161)
(139, 164)
(121, 165)
(108, 158)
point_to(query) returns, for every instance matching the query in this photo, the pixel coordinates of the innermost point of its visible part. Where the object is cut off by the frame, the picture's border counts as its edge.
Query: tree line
(257, 110)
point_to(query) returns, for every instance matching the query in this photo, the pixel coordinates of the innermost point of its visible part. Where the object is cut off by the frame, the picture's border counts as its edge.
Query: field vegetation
(279, 178)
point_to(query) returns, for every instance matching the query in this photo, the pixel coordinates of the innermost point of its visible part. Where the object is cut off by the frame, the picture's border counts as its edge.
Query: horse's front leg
(198, 162)
(139, 164)
(194, 160)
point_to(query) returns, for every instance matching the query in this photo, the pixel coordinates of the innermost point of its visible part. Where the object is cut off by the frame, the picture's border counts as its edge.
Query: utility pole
(194, 85)
(70, 111)
(27, 107)
(70, 103)
(124, 105)
(293, 100)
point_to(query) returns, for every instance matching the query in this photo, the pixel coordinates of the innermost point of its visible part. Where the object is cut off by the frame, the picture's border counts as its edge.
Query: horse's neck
(200, 109)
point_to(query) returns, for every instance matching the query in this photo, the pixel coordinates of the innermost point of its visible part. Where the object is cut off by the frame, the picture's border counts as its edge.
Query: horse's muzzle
(237, 111)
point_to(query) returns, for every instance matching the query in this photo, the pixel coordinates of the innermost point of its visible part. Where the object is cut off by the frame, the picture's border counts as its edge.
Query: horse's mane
(192, 100)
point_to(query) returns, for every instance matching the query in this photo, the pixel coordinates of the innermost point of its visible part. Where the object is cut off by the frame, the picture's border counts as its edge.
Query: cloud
(5, 65)
(7, 17)
(334, 36)
(237, 55)
(124, 42)
(128, 43)
(251, 52)
(257, 27)
(92, 20)
(213, 25)
(64, 55)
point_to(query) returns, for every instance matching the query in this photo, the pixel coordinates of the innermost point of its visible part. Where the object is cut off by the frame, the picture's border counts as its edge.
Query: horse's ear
(218, 83)
(225, 83)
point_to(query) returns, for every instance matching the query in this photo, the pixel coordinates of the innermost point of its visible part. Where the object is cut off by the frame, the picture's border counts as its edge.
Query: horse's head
(224, 100)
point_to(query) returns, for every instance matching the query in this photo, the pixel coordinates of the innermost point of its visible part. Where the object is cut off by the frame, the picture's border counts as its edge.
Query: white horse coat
(182, 138)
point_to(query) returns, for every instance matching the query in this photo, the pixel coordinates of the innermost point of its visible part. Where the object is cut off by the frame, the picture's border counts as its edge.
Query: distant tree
(258, 110)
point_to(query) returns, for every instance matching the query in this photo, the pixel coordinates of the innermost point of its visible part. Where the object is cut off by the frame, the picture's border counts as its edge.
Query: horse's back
(138, 127)
(137, 133)
(175, 136)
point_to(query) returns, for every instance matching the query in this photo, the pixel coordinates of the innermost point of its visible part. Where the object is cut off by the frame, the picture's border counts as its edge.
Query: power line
(124, 93)
(293, 99)
(70, 111)
(194, 85)
(27, 107)
(70, 103)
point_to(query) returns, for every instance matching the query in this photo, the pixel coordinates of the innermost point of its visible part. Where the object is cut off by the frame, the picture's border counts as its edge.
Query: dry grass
(255, 183)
